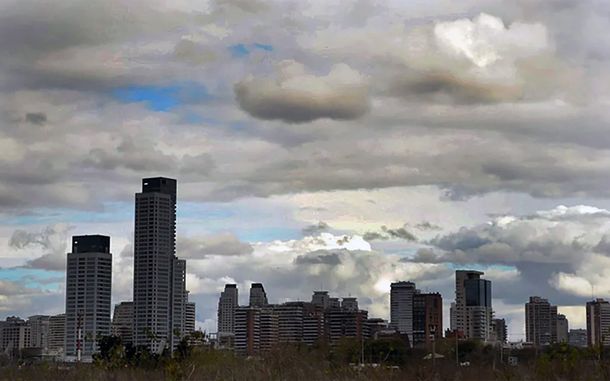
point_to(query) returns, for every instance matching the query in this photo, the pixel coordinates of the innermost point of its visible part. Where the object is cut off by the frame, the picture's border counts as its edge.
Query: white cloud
(485, 40)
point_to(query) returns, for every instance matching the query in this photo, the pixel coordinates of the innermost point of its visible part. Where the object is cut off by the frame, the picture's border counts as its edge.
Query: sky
(336, 145)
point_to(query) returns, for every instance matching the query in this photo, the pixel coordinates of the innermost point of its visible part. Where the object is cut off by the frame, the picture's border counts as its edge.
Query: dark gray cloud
(437, 131)
(560, 252)
(445, 87)
(298, 97)
(52, 241)
(321, 226)
(37, 118)
(389, 233)
(427, 226)
(320, 257)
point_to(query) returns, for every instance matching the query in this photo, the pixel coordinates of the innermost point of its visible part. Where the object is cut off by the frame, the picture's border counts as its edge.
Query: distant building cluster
(40, 336)
(416, 318)
(160, 314)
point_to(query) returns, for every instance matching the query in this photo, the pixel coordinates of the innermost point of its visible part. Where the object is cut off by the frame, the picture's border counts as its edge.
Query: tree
(111, 351)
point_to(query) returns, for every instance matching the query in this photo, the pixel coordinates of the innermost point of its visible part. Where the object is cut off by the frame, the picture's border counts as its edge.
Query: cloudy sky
(338, 145)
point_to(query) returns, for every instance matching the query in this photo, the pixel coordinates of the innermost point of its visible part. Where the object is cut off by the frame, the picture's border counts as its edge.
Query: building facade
(401, 307)
(247, 331)
(345, 321)
(57, 333)
(598, 323)
(472, 311)
(427, 318)
(122, 322)
(258, 296)
(88, 293)
(577, 338)
(540, 321)
(189, 324)
(159, 282)
(39, 331)
(500, 331)
(15, 335)
(227, 304)
(563, 329)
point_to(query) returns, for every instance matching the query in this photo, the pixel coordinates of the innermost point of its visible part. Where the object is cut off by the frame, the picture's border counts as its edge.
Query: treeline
(351, 359)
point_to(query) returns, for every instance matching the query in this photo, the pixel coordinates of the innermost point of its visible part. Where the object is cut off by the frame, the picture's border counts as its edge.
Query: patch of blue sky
(482, 267)
(239, 50)
(33, 278)
(111, 212)
(268, 48)
(196, 118)
(214, 211)
(162, 98)
(243, 50)
(248, 222)
(269, 233)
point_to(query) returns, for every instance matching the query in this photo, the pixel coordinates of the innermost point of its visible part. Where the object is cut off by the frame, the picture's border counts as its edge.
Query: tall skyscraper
(427, 318)
(598, 322)
(88, 291)
(159, 282)
(472, 311)
(540, 321)
(227, 303)
(122, 321)
(401, 307)
(258, 296)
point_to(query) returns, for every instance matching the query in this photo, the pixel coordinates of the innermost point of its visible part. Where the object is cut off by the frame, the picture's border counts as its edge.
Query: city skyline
(338, 147)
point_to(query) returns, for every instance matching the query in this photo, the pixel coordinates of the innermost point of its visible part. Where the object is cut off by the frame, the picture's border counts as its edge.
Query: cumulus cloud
(560, 252)
(297, 96)
(52, 241)
(292, 269)
(464, 61)
(223, 244)
(553, 236)
(388, 233)
(15, 296)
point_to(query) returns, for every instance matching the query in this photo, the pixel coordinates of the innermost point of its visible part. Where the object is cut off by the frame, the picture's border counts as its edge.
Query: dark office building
(427, 318)
(88, 292)
(159, 283)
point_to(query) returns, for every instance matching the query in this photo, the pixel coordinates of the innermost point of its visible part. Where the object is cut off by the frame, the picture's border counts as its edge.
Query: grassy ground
(294, 364)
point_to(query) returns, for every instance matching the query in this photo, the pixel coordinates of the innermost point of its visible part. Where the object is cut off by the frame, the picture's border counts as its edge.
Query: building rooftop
(90, 244)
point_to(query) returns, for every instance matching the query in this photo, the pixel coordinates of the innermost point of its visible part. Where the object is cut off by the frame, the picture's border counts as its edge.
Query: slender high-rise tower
(227, 304)
(159, 282)
(401, 308)
(472, 311)
(88, 288)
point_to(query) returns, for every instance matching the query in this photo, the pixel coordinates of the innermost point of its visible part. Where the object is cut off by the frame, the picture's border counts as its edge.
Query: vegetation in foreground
(384, 360)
